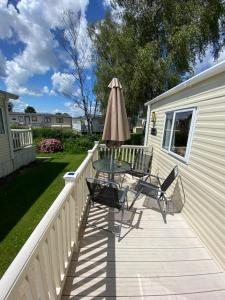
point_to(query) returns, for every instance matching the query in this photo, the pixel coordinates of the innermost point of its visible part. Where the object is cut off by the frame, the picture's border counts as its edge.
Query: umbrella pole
(111, 162)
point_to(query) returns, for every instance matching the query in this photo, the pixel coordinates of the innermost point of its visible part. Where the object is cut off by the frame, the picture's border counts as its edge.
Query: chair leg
(135, 198)
(121, 220)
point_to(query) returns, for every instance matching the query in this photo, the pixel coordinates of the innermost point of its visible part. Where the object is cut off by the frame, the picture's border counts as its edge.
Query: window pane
(181, 129)
(2, 130)
(167, 130)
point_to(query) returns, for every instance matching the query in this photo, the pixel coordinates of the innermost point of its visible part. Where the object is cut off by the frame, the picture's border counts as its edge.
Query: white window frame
(3, 121)
(190, 135)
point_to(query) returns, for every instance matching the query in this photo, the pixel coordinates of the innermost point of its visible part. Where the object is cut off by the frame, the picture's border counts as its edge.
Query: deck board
(152, 260)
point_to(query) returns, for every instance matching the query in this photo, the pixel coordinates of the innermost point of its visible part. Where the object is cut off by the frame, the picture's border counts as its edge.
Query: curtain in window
(181, 129)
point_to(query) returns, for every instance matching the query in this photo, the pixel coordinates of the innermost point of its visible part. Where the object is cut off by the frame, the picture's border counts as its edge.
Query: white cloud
(208, 61)
(116, 11)
(32, 25)
(73, 109)
(62, 82)
(19, 105)
(2, 65)
(106, 3)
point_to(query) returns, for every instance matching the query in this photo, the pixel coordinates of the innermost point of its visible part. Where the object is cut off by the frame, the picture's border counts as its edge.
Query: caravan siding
(200, 190)
(5, 154)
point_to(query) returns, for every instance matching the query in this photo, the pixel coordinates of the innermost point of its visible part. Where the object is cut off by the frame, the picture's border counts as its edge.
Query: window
(47, 120)
(20, 118)
(178, 132)
(59, 120)
(34, 119)
(2, 129)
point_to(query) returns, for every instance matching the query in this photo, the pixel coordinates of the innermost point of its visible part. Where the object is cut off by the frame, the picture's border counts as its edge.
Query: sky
(31, 64)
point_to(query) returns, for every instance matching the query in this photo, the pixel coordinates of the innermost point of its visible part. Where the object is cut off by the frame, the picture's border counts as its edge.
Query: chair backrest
(104, 192)
(170, 178)
(142, 162)
(96, 185)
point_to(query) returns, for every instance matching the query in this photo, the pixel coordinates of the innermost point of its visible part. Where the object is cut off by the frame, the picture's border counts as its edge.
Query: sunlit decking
(151, 259)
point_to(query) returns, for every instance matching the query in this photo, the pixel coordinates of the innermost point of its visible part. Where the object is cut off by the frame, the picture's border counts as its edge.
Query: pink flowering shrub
(50, 146)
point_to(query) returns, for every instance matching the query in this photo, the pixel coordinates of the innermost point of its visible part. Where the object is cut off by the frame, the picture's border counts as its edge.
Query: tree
(10, 106)
(30, 109)
(155, 45)
(79, 53)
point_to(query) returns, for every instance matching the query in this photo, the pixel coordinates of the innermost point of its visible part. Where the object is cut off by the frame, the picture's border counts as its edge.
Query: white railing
(125, 152)
(21, 138)
(39, 269)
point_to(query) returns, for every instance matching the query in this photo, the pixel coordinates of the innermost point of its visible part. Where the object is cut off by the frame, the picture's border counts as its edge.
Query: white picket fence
(21, 138)
(39, 270)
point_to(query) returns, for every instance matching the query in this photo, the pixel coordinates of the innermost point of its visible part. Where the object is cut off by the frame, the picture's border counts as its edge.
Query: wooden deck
(152, 259)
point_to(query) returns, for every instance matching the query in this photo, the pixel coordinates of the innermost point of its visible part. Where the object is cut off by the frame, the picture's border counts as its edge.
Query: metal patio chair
(109, 194)
(142, 164)
(154, 191)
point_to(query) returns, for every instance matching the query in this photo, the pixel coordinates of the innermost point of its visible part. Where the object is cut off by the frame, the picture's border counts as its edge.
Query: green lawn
(25, 196)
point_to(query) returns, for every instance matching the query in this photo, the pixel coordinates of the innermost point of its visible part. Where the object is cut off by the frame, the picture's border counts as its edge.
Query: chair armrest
(145, 184)
(151, 175)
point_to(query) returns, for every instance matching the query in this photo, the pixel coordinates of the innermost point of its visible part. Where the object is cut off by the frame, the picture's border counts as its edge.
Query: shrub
(53, 133)
(50, 146)
(80, 143)
(136, 139)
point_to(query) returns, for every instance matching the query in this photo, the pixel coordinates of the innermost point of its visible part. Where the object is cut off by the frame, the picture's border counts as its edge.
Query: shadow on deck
(152, 260)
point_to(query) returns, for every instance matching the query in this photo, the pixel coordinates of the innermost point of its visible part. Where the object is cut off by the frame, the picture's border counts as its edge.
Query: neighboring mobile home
(186, 127)
(40, 120)
(16, 147)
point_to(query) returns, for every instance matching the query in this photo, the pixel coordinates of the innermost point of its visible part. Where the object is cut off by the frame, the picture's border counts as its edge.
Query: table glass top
(111, 166)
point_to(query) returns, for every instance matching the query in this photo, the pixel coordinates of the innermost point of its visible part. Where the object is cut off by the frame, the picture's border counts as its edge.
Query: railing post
(69, 177)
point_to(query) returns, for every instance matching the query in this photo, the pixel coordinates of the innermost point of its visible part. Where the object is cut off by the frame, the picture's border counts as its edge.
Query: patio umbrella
(116, 128)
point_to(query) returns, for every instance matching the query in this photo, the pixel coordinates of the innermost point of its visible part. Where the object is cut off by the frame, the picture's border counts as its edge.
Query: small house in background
(80, 124)
(186, 127)
(16, 145)
(40, 120)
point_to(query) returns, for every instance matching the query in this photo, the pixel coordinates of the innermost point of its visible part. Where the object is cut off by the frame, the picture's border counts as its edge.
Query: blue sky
(31, 64)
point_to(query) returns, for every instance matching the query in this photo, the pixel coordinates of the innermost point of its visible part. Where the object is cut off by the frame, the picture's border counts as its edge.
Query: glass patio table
(111, 167)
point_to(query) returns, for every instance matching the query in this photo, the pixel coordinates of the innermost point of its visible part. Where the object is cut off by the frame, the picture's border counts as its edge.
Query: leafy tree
(10, 106)
(30, 109)
(155, 45)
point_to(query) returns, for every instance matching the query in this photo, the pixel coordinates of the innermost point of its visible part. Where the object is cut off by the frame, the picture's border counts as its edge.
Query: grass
(25, 196)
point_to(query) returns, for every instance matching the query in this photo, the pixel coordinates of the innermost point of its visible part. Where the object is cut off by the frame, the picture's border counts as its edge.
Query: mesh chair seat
(155, 191)
(108, 196)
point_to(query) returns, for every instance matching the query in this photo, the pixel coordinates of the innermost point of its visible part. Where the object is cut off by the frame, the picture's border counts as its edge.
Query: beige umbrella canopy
(116, 128)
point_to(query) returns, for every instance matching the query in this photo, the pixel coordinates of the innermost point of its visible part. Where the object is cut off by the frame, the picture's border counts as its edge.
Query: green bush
(80, 144)
(136, 139)
(53, 133)
(71, 141)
